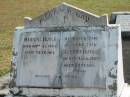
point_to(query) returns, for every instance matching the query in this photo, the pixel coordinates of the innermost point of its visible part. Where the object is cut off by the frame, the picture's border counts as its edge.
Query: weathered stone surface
(124, 21)
(68, 52)
(123, 18)
(4, 92)
(4, 82)
(4, 85)
(65, 15)
(115, 14)
(74, 52)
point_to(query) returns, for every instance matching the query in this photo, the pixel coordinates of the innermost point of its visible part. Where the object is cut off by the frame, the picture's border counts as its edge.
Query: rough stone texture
(68, 52)
(78, 77)
(65, 15)
(4, 85)
(4, 82)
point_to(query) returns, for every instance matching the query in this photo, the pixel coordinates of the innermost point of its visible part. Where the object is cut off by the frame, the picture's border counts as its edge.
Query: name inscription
(68, 11)
(69, 57)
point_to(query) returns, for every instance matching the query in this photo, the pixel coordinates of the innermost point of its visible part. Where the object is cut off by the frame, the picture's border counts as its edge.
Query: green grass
(12, 13)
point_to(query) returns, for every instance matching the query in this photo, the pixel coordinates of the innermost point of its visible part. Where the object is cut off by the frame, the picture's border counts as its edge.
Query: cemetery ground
(12, 13)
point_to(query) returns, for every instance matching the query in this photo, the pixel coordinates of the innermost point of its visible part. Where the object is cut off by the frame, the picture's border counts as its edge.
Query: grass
(12, 13)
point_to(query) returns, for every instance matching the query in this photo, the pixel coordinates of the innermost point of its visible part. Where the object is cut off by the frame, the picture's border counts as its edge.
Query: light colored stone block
(68, 52)
(124, 21)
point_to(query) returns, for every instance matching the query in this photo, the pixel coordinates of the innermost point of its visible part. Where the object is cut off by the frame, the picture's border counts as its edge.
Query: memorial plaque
(68, 52)
(64, 56)
(38, 49)
(83, 56)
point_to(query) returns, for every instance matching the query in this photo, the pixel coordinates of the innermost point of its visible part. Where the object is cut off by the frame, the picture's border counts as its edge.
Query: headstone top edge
(19, 28)
(72, 6)
(40, 20)
(121, 13)
(114, 25)
(92, 14)
(28, 18)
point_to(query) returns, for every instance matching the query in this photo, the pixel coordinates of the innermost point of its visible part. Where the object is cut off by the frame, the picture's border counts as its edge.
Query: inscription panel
(38, 59)
(62, 57)
(83, 58)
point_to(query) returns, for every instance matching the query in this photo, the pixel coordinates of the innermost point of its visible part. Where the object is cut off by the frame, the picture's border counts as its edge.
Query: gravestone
(123, 18)
(68, 52)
